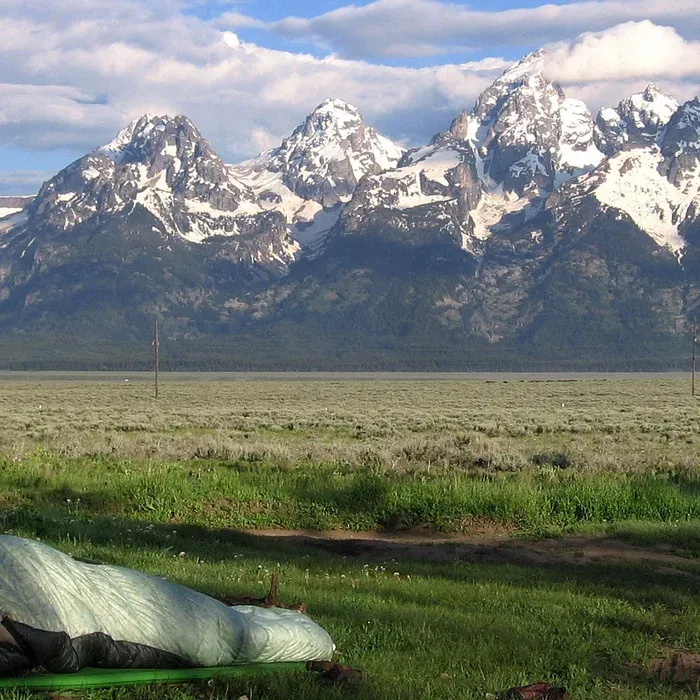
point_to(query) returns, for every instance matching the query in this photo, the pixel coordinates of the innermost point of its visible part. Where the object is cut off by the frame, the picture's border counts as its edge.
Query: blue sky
(247, 72)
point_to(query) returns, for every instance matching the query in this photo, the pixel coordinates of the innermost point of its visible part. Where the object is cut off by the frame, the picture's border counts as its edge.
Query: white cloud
(630, 51)
(430, 27)
(69, 79)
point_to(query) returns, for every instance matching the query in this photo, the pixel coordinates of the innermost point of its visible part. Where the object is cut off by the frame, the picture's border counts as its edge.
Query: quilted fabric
(47, 590)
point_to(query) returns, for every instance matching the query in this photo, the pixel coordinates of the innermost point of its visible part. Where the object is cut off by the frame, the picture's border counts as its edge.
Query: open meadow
(479, 534)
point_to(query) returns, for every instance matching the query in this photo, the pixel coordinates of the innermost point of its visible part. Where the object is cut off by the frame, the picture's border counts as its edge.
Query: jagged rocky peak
(172, 145)
(161, 173)
(326, 156)
(459, 129)
(154, 157)
(637, 120)
(527, 71)
(653, 179)
(528, 134)
(498, 162)
(681, 146)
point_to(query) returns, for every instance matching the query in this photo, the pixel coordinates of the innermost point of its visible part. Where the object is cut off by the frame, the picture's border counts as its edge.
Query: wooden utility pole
(692, 379)
(156, 344)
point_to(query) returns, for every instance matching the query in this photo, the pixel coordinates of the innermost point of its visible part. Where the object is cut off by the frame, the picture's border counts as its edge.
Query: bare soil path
(489, 547)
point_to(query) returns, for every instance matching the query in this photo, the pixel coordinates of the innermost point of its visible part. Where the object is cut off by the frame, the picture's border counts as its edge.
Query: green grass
(103, 471)
(407, 623)
(323, 497)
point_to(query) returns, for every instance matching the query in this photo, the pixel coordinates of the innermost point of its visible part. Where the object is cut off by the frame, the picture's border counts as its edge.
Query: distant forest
(30, 352)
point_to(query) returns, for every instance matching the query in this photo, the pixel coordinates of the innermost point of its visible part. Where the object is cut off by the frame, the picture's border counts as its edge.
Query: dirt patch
(488, 548)
(679, 667)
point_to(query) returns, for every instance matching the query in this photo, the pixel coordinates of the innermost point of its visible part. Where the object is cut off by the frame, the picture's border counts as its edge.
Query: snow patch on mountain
(433, 166)
(493, 207)
(577, 153)
(422, 181)
(311, 233)
(273, 195)
(6, 211)
(632, 182)
(10, 221)
(11, 205)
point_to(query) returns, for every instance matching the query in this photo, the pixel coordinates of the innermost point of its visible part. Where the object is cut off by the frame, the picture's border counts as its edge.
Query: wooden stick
(156, 344)
(692, 381)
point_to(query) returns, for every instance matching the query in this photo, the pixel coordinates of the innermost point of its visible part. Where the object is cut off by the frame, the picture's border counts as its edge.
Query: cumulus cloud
(68, 79)
(431, 27)
(634, 50)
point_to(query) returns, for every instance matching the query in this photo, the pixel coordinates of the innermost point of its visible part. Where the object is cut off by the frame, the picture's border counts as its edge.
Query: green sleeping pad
(109, 677)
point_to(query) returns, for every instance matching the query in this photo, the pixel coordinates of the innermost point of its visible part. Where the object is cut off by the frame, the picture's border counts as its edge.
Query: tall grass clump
(318, 496)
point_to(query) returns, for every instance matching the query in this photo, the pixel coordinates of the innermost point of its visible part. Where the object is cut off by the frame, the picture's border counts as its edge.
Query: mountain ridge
(526, 223)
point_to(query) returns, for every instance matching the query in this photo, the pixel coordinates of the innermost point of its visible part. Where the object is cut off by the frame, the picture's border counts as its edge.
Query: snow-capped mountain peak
(167, 144)
(526, 73)
(325, 156)
(525, 68)
(163, 165)
(115, 148)
(652, 107)
(318, 167)
(528, 136)
(638, 120)
(333, 112)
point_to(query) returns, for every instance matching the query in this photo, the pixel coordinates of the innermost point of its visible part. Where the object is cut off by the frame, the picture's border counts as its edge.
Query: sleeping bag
(63, 615)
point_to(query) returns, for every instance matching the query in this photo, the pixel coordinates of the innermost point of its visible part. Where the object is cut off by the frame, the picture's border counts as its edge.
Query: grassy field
(102, 470)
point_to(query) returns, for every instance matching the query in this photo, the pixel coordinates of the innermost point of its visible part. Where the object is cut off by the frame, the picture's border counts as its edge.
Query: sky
(72, 74)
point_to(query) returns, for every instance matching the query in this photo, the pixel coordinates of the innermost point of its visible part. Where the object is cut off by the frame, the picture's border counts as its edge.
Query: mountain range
(529, 233)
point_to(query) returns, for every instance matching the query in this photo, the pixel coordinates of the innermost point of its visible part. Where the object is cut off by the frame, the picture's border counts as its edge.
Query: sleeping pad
(63, 615)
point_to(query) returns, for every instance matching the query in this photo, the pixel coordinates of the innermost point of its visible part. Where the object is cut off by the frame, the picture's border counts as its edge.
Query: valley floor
(455, 537)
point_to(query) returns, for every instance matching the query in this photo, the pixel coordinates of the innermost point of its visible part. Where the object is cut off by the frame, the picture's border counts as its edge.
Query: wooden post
(156, 343)
(692, 381)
